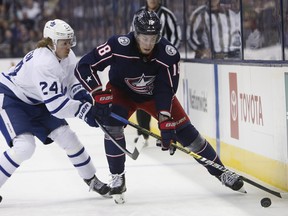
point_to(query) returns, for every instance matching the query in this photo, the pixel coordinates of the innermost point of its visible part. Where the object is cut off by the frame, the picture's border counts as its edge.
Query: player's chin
(146, 51)
(63, 56)
(66, 54)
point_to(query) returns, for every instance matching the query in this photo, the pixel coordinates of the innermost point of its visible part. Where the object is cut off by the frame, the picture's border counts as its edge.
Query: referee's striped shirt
(225, 31)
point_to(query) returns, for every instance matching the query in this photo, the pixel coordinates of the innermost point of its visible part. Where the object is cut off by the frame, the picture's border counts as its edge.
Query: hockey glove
(83, 96)
(168, 133)
(103, 104)
(86, 112)
(172, 149)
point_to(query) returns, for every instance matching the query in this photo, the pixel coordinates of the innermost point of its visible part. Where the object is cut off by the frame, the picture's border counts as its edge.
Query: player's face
(153, 4)
(63, 48)
(215, 4)
(146, 43)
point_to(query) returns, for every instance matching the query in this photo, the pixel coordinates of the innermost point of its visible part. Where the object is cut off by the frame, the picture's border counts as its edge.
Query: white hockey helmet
(58, 29)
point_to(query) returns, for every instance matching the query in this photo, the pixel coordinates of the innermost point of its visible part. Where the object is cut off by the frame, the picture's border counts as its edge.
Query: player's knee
(198, 144)
(66, 139)
(116, 131)
(23, 148)
(187, 134)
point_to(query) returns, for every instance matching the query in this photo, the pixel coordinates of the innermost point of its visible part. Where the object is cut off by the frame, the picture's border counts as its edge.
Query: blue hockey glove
(168, 133)
(103, 104)
(83, 96)
(86, 112)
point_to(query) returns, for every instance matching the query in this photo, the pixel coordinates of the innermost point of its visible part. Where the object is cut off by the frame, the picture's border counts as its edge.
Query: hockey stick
(196, 156)
(134, 155)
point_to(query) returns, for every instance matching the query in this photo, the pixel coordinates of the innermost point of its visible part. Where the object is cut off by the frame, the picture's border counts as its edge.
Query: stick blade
(138, 147)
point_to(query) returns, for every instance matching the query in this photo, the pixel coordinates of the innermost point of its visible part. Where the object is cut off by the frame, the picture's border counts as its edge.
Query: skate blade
(119, 198)
(107, 196)
(242, 190)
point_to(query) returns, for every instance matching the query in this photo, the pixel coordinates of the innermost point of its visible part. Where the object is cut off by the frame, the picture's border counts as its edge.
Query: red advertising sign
(234, 115)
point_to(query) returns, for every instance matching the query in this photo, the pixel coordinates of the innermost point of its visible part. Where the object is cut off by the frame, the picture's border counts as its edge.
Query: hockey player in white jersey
(37, 95)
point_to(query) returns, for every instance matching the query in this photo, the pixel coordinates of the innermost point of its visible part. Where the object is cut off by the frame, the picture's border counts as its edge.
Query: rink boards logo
(244, 107)
(233, 92)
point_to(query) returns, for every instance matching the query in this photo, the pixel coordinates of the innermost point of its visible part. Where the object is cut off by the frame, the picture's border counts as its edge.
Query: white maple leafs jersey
(41, 78)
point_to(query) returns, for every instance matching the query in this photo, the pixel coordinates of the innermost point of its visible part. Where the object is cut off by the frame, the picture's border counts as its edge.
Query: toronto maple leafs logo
(141, 85)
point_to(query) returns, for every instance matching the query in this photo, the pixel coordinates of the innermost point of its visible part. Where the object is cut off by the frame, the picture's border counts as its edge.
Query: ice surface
(157, 184)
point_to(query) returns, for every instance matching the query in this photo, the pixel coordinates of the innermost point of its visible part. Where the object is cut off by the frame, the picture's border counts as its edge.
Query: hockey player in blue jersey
(144, 74)
(37, 95)
(172, 32)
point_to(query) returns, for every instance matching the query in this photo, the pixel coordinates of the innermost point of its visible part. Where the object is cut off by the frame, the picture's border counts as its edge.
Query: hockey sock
(188, 136)
(208, 152)
(115, 157)
(7, 167)
(82, 162)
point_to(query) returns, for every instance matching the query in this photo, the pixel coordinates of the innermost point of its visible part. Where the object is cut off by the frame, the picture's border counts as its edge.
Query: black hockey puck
(266, 202)
(0, 199)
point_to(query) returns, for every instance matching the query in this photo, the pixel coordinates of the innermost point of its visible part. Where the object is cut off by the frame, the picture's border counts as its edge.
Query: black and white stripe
(170, 28)
(225, 33)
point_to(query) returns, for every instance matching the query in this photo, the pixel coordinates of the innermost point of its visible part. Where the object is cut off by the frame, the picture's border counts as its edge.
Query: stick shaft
(196, 156)
(134, 155)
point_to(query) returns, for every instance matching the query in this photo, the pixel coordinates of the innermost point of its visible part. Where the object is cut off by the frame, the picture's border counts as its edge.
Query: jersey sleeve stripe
(84, 83)
(104, 59)
(60, 107)
(53, 98)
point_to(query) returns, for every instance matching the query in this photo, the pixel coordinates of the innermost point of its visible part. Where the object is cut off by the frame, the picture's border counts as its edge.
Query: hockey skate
(233, 181)
(136, 139)
(145, 141)
(118, 187)
(96, 185)
(158, 143)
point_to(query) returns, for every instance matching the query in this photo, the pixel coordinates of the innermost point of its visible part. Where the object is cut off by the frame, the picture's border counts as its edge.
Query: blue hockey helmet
(147, 23)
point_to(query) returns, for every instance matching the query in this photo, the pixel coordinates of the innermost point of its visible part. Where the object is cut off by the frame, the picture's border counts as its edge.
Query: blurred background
(244, 29)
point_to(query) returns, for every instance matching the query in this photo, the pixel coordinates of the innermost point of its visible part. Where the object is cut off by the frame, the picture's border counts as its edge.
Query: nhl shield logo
(170, 50)
(124, 41)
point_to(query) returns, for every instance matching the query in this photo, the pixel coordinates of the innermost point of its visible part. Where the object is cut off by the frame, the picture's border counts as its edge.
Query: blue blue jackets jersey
(142, 77)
